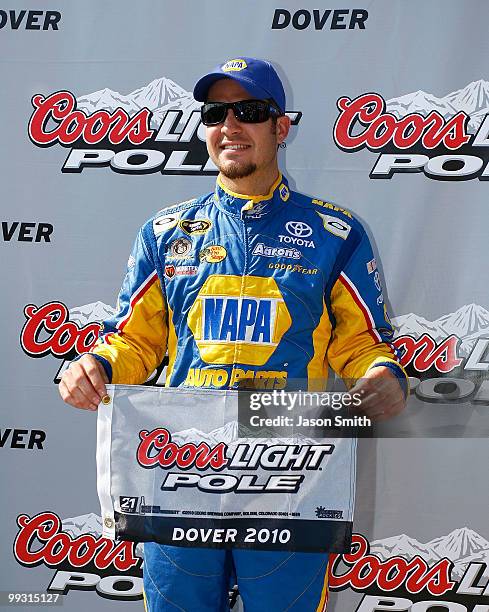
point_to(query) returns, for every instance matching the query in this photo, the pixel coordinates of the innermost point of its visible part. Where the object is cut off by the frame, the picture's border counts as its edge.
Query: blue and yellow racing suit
(245, 291)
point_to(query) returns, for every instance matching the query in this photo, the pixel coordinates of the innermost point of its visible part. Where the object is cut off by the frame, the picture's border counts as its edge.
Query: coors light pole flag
(173, 468)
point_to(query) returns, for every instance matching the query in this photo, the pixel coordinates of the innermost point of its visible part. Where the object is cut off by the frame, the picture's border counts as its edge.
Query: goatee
(235, 170)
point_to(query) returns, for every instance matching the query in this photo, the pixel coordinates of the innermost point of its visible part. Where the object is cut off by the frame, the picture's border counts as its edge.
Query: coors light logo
(53, 330)
(400, 573)
(155, 128)
(449, 355)
(194, 450)
(446, 138)
(82, 558)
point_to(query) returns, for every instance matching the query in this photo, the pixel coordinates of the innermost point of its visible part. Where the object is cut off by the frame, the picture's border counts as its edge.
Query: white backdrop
(417, 73)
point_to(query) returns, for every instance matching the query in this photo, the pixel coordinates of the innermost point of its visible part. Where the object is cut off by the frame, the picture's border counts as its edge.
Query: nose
(230, 125)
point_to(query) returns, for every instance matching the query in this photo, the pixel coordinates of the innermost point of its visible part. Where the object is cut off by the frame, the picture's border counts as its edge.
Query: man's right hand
(83, 383)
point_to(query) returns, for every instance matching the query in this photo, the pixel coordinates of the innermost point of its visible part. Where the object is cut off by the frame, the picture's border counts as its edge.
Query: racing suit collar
(251, 207)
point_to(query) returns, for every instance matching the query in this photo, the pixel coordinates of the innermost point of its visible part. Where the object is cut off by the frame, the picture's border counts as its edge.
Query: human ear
(283, 127)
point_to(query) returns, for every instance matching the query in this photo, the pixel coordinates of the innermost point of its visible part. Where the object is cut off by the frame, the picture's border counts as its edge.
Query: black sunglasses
(246, 111)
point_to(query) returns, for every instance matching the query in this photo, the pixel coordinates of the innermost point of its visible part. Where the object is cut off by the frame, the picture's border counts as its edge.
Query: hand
(83, 383)
(381, 393)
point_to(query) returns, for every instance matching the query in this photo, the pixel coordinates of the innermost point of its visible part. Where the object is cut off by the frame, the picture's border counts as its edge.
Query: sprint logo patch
(195, 226)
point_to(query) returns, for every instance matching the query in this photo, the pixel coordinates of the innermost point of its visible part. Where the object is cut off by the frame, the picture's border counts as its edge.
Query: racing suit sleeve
(362, 331)
(134, 340)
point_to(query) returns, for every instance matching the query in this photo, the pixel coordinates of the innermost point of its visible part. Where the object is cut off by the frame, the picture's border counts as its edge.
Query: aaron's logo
(238, 320)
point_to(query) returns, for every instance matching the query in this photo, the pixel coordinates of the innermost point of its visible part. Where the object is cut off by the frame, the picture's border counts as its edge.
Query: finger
(383, 404)
(75, 399)
(96, 375)
(366, 387)
(398, 407)
(376, 400)
(386, 387)
(370, 394)
(104, 373)
(386, 407)
(75, 395)
(63, 391)
(380, 401)
(81, 380)
(394, 411)
(372, 406)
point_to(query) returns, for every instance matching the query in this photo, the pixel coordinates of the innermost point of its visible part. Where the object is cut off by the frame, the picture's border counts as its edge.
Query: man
(249, 285)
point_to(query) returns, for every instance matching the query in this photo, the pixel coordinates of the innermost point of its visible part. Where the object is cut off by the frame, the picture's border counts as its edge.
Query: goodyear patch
(292, 268)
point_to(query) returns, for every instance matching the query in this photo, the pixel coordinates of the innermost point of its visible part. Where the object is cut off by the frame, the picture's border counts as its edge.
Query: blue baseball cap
(257, 76)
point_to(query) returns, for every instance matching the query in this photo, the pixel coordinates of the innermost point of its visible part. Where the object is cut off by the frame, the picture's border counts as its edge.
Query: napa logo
(238, 320)
(234, 65)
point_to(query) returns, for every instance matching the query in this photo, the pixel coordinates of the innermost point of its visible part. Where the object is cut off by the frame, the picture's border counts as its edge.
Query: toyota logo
(298, 229)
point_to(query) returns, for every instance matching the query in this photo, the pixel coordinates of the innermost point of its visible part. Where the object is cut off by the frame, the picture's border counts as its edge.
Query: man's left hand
(381, 393)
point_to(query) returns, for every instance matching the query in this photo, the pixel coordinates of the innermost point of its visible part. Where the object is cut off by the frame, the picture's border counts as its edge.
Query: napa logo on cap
(238, 320)
(234, 65)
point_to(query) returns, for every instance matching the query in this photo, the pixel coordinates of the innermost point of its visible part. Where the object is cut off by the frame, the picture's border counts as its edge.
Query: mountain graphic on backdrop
(473, 99)
(89, 524)
(466, 320)
(84, 524)
(90, 313)
(462, 546)
(163, 94)
(468, 323)
(159, 96)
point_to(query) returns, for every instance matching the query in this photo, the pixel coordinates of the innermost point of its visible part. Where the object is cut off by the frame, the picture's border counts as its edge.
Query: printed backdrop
(389, 104)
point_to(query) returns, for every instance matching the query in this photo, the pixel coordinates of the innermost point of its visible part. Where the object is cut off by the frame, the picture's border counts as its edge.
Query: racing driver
(252, 284)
